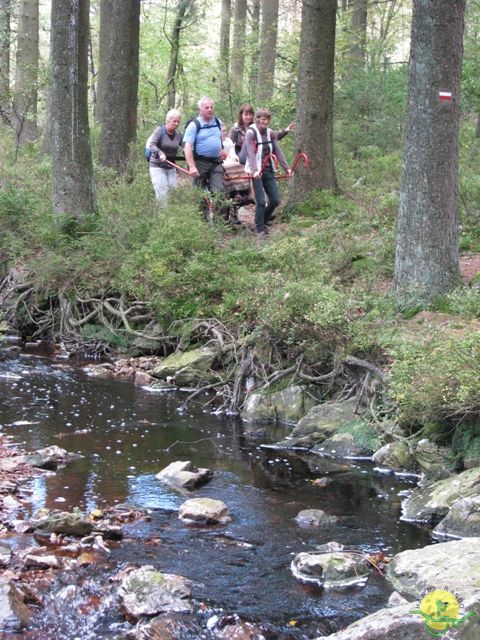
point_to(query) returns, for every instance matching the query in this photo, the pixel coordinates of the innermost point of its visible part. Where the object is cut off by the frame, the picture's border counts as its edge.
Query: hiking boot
(262, 236)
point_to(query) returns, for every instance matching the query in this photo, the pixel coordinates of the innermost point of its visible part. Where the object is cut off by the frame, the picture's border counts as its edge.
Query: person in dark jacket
(164, 143)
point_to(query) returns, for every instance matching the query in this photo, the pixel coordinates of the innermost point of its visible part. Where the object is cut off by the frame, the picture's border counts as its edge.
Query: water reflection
(127, 435)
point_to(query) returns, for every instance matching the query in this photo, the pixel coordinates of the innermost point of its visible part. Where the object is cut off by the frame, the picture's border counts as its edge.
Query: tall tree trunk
(104, 49)
(183, 7)
(426, 260)
(5, 13)
(238, 51)
(254, 43)
(225, 20)
(359, 32)
(73, 188)
(119, 111)
(268, 51)
(26, 71)
(314, 133)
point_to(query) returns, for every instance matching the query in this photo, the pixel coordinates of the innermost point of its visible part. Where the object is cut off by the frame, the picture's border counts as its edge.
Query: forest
(366, 288)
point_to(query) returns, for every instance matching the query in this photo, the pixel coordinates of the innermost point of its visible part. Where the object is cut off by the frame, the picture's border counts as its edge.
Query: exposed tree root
(246, 363)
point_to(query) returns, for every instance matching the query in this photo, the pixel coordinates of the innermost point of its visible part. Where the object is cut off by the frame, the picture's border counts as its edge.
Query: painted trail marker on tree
(445, 96)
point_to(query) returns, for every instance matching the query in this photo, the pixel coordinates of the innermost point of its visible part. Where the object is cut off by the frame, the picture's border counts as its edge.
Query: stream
(127, 435)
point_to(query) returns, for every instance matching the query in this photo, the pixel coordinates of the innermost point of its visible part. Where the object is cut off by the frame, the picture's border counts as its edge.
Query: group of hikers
(224, 165)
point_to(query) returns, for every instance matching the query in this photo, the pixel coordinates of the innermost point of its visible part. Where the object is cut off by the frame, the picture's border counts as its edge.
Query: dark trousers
(211, 175)
(267, 186)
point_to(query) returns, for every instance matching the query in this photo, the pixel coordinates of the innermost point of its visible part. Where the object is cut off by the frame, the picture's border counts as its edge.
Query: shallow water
(127, 435)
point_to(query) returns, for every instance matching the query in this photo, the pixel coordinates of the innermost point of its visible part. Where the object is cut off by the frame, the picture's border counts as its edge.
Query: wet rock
(396, 623)
(431, 503)
(204, 511)
(314, 518)
(463, 519)
(148, 592)
(14, 613)
(396, 456)
(5, 555)
(320, 423)
(185, 475)
(287, 406)
(188, 367)
(73, 523)
(143, 379)
(331, 567)
(342, 445)
(428, 455)
(454, 565)
(49, 458)
(242, 630)
(168, 628)
(396, 600)
(42, 562)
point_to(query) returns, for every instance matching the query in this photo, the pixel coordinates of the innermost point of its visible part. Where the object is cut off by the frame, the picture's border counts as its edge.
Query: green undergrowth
(319, 286)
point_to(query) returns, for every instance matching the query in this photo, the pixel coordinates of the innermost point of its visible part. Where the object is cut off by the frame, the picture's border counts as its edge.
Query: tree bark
(225, 19)
(314, 118)
(238, 50)
(268, 51)
(182, 9)
(104, 48)
(426, 261)
(26, 71)
(73, 188)
(5, 14)
(254, 41)
(120, 101)
(359, 33)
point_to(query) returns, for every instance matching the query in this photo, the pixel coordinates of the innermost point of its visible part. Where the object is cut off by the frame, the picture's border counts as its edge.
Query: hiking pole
(176, 166)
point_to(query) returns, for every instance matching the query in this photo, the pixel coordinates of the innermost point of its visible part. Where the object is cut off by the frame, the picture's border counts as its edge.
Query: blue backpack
(147, 151)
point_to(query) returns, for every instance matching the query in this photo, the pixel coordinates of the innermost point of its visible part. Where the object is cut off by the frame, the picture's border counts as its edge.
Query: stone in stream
(49, 458)
(331, 567)
(74, 523)
(204, 511)
(148, 592)
(14, 613)
(314, 518)
(185, 475)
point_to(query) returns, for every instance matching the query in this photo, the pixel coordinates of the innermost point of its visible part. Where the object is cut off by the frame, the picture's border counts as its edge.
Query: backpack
(147, 151)
(215, 123)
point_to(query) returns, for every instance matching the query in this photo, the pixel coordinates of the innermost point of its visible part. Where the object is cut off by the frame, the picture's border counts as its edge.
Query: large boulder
(428, 454)
(331, 567)
(187, 367)
(396, 456)
(455, 566)
(14, 613)
(393, 623)
(185, 475)
(287, 406)
(356, 440)
(320, 423)
(463, 519)
(204, 511)
(148, 592)
(431, 503)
